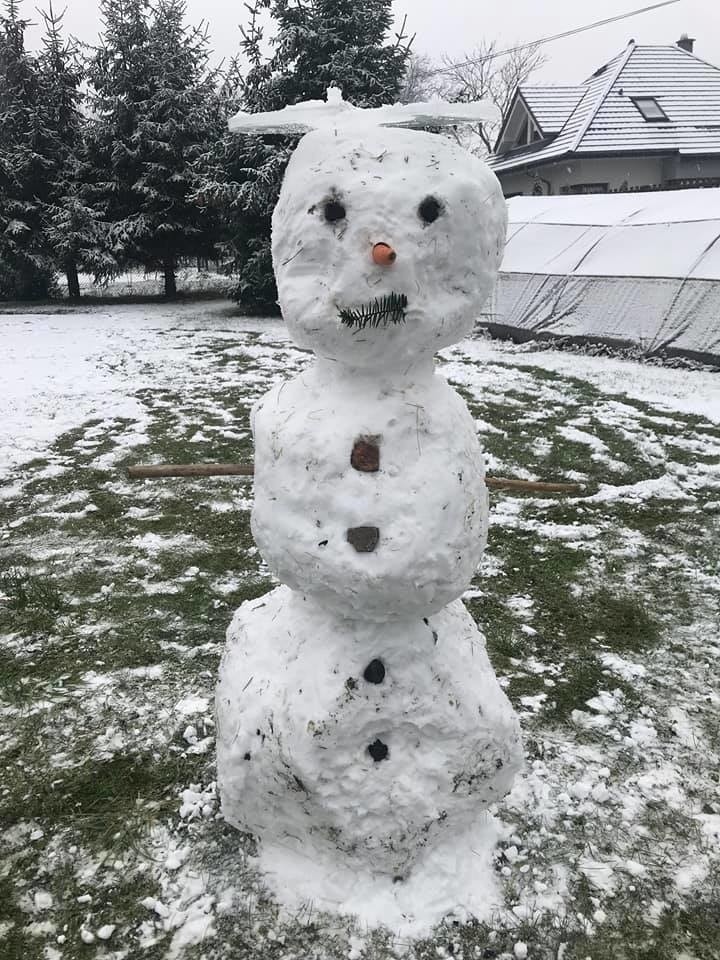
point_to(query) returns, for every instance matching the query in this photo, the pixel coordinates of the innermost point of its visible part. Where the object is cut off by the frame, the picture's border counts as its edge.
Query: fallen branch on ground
(153, 471)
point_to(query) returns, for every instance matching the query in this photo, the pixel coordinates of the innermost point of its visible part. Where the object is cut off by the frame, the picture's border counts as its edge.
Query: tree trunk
(169, 271)
(73, 283)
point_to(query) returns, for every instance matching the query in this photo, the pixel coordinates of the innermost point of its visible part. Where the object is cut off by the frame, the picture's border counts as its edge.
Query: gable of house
(537, 113)
(552, 106)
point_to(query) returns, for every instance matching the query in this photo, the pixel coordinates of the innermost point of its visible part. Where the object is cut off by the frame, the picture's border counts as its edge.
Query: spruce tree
(155, 112)
(178, 123)
(120, 73)
(318, 43)
(339, 43)
(72, 236)
(26, 272)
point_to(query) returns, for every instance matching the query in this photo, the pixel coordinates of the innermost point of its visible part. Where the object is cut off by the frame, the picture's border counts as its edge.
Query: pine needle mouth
(380, 313)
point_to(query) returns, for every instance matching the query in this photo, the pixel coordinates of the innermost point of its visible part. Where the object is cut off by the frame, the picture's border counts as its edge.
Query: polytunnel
(627, 269)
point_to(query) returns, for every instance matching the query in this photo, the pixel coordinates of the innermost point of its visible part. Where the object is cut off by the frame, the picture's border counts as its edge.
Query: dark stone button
(364, 539)
(378, 751)
(375, 671)
(365, 455)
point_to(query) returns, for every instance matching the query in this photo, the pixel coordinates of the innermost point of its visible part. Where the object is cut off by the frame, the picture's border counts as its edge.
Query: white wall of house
(619, 173)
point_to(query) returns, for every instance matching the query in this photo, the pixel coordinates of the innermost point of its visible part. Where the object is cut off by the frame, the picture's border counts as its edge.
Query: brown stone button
(364, 539)
(365, 455)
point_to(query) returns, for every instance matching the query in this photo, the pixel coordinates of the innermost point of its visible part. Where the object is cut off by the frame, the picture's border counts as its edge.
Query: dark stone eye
(375, 671)
(334, 211)
(429, 210)
(378, 751)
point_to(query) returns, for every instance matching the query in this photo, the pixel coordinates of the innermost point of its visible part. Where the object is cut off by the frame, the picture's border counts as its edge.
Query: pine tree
(318, 43)
(178, 123)
(155, 112)
(71, 235)
(340, 43)
(121, 79)
(25, 270)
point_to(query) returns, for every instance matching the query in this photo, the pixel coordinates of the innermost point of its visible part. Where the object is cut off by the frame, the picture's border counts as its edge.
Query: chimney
(686, 43)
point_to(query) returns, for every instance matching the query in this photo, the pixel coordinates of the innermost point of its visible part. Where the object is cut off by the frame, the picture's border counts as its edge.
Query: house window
(649, 108)
(522, 137)
(586, 188)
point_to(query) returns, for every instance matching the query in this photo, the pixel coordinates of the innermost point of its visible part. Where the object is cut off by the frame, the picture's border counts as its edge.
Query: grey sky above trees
(457, 26)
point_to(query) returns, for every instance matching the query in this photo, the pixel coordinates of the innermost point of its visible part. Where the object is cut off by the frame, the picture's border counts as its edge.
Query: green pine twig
(383, 310)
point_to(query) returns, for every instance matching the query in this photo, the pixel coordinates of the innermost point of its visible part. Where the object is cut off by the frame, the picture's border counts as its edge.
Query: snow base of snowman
(452, 880)
(366, 788)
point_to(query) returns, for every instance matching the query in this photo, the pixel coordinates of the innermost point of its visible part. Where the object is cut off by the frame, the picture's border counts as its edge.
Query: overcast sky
(454, 26)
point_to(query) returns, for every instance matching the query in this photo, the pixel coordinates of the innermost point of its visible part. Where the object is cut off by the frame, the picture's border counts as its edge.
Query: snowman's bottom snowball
(455, 879)
(368, 741)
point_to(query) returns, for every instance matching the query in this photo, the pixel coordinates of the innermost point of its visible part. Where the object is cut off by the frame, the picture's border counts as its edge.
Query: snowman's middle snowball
(400, 540)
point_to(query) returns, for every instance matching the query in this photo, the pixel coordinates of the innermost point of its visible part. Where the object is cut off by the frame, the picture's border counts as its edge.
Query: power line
(556, 36)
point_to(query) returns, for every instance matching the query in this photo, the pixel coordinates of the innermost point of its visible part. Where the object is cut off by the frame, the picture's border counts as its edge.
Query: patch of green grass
(573, 619)
(569, 398)
(627, 933)
(622, 622)
(177, 418)
(114, 900)
(693, 932)
(582, 679)
(28, 601)
(565, 620)
(15, 944)
(101, 798)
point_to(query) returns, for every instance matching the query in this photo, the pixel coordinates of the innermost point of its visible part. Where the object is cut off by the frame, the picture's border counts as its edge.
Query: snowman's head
(386, 244)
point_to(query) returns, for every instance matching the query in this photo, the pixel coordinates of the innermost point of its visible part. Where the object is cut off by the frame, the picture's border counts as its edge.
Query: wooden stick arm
(152, 471)
(532, 486)
(143, 471)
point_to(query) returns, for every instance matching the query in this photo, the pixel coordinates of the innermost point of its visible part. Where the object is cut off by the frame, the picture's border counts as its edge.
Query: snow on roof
(663, 234)
(551, 106)
(606, 120)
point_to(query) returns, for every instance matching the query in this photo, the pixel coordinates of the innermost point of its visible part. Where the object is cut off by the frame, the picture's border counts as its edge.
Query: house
(647, 120)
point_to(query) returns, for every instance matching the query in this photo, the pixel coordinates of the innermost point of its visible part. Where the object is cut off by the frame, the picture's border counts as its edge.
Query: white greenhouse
(626, 269)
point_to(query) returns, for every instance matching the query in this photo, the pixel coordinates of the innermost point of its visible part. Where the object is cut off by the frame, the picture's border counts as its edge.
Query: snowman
(359, 717)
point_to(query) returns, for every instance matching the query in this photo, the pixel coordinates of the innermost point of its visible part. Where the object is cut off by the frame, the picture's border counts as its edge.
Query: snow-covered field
(602, 615)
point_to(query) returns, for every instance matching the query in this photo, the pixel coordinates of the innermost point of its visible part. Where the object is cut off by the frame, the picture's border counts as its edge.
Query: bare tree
(421, 79)
(486, 74)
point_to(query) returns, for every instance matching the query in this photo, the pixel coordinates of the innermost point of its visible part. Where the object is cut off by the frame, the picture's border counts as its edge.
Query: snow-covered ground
(601, 614)
(59, 370)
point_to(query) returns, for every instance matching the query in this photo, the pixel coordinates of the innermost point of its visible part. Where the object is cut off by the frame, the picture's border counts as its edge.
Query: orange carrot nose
(383, 254)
